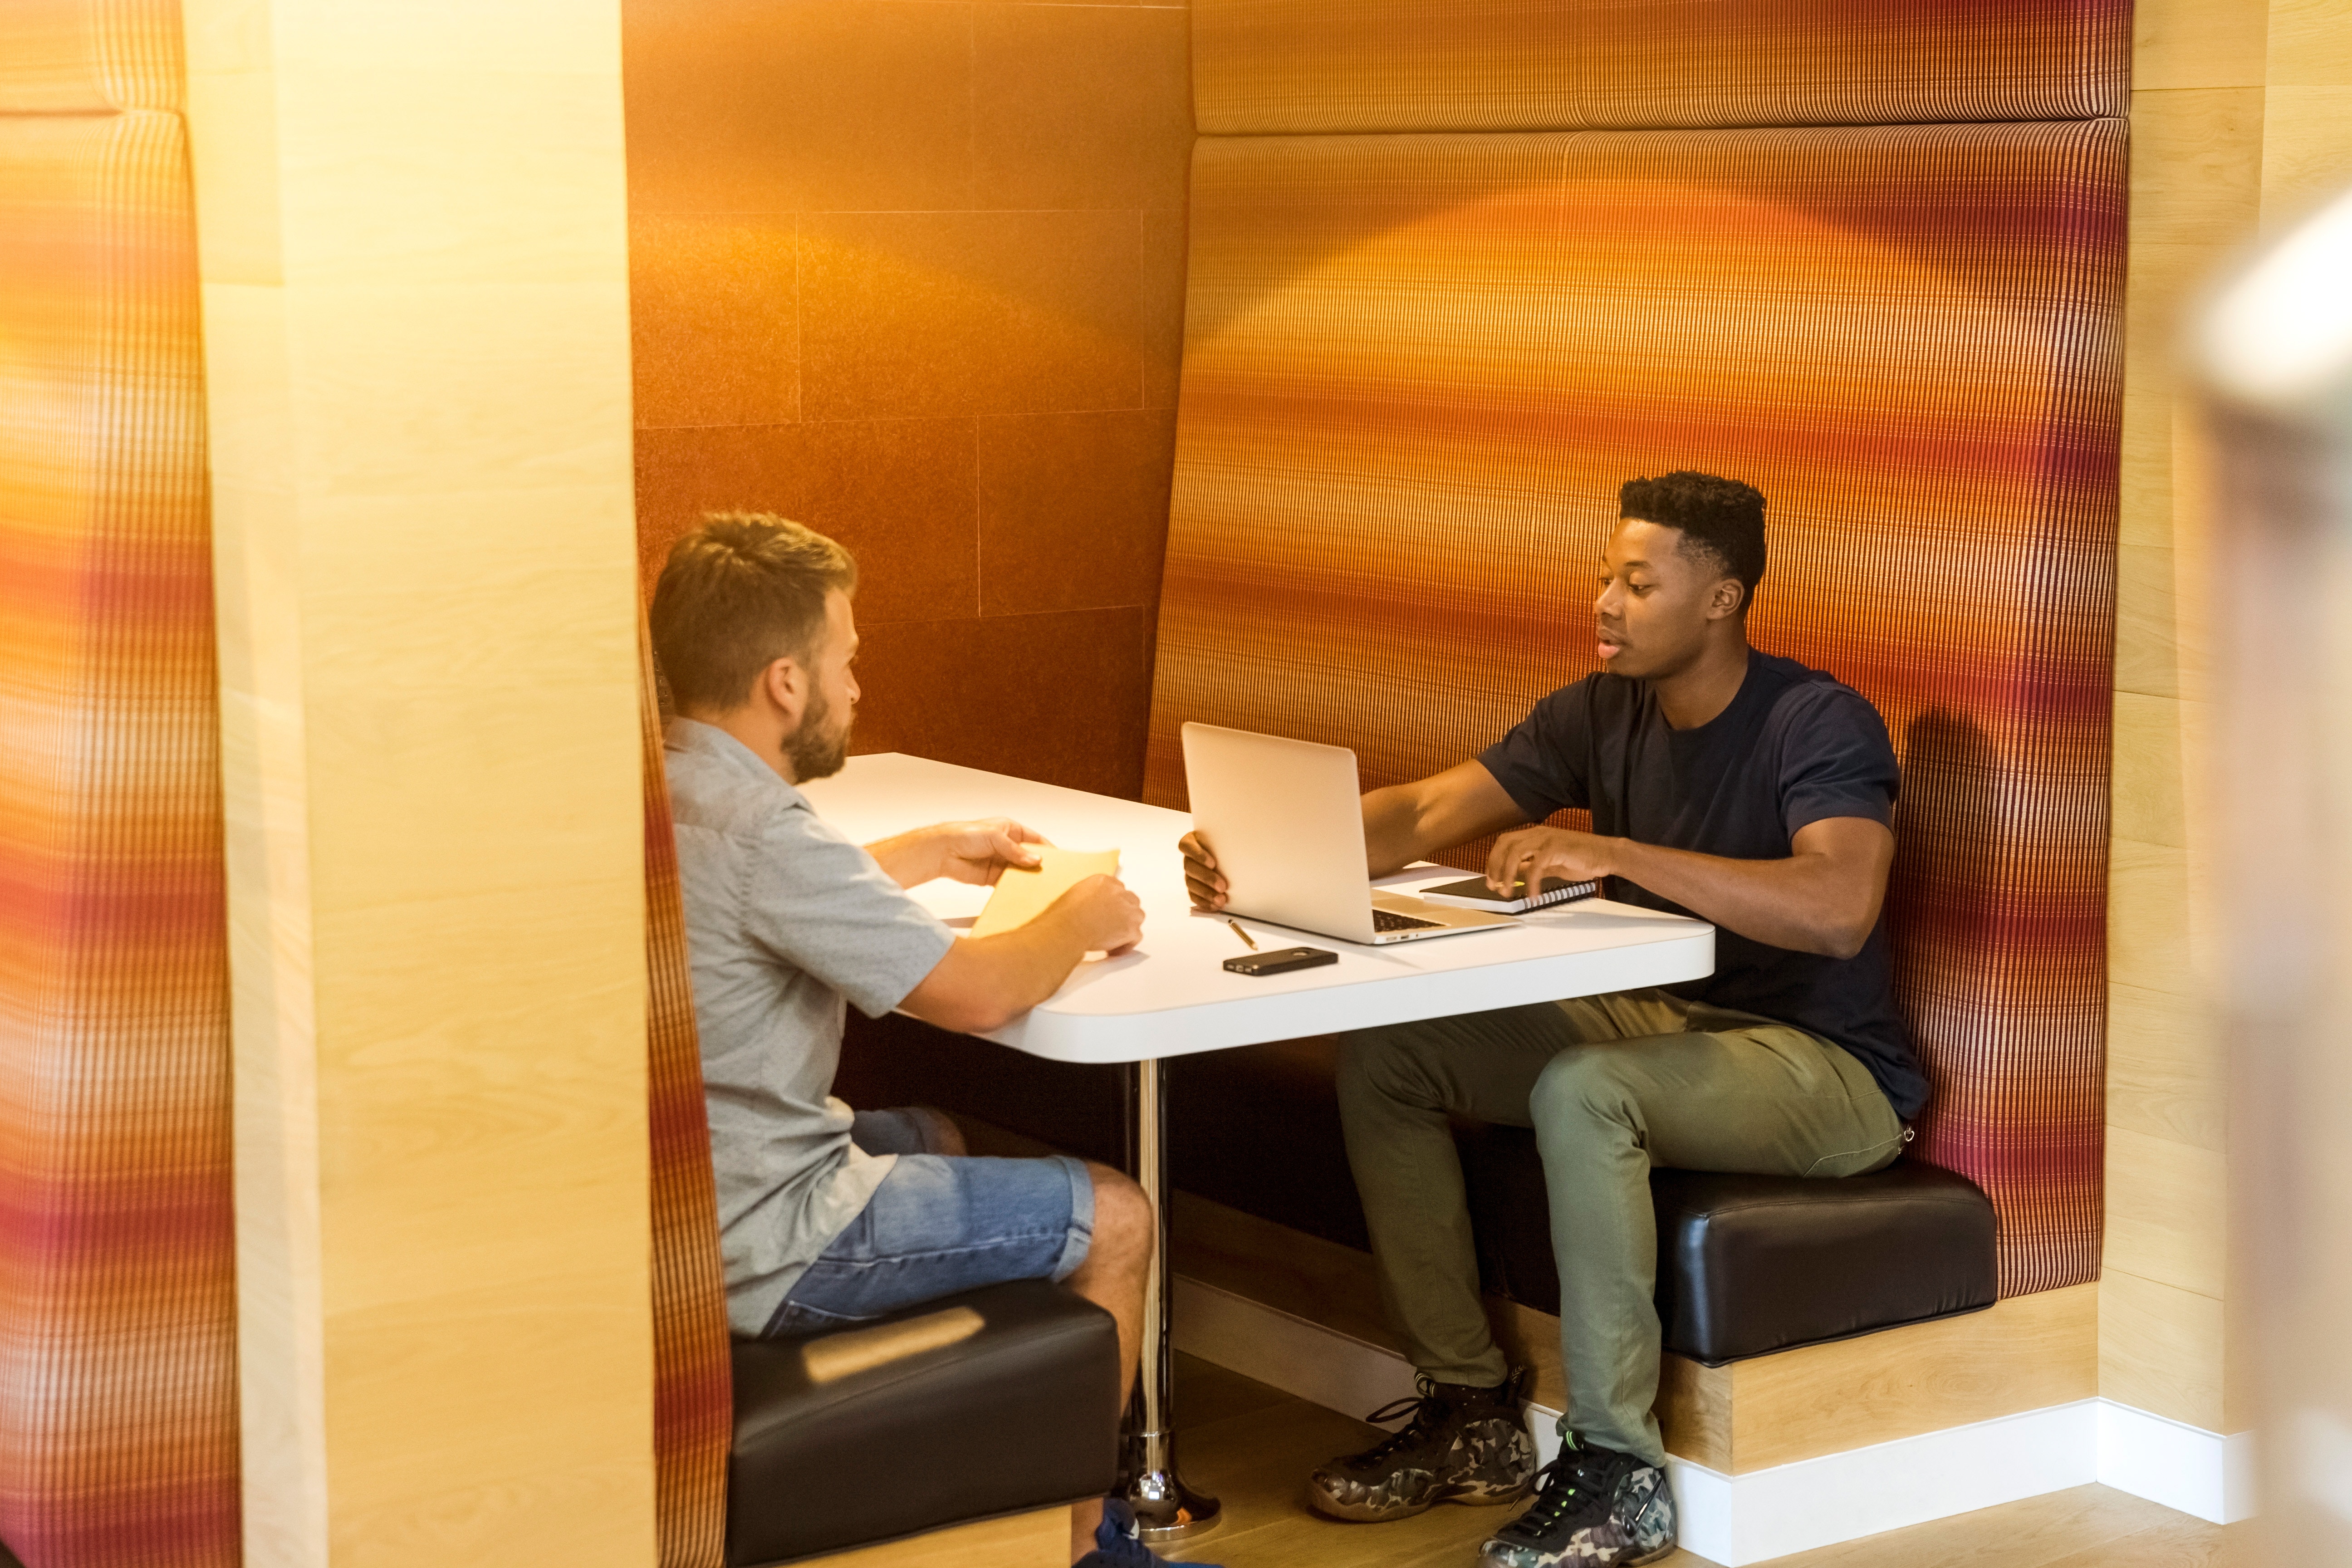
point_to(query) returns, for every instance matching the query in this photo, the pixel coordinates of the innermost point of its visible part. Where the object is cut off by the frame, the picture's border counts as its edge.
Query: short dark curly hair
(1722, 517)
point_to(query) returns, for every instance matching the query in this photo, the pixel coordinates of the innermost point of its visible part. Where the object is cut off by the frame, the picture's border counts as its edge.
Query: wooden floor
(1251, 1446)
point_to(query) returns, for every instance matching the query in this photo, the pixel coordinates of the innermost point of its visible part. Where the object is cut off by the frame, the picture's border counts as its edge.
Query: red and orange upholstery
(693, 1401)
(1417, 366)
(118, 1316)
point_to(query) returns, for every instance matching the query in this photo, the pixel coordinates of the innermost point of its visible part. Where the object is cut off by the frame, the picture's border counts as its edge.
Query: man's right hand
(1201, 878)
(1102, 914)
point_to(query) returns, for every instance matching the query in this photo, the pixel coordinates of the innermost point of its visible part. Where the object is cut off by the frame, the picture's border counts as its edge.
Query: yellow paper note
(1021, 894)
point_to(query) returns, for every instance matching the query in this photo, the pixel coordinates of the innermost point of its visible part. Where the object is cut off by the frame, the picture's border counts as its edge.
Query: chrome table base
(1166, 1509)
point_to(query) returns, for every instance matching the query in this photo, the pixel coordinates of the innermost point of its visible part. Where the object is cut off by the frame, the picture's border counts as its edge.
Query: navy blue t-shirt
(1793, 748)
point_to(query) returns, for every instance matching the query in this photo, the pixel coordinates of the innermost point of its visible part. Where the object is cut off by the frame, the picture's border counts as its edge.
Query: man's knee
(1383, 1064)
(1125, 1228)
(1583, 1084)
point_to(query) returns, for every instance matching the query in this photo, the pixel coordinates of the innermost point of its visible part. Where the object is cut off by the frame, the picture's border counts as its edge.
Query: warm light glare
(2283, 332)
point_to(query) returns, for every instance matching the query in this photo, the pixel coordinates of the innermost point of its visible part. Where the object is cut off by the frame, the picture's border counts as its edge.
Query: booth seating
(860, 1437)
(1747, 1264)
(874, 1433)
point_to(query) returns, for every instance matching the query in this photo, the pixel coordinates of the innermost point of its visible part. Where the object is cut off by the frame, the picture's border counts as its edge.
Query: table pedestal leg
(1166, 1509)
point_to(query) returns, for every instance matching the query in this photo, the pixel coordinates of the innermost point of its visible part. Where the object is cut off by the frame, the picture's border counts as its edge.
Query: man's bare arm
(1402, 824)
(1825, 898)
(1406, 823)
(967, 851)
(986, 982)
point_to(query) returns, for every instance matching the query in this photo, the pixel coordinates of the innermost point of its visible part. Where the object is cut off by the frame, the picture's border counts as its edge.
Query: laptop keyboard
(1382, 919)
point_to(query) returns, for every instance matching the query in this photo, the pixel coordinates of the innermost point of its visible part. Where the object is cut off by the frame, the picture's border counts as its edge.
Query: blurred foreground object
(2275, 351)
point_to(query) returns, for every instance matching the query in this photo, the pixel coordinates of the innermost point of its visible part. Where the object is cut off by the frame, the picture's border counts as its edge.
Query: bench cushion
(851, 1439)
(1750, 1265)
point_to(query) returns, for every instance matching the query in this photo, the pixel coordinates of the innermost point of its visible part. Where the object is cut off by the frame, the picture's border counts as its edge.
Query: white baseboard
(2181, 1467)
(1752, 1518)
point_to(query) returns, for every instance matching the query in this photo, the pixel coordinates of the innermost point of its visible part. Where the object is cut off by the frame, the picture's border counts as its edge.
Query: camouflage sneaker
(1463, 1444)
(1597, 1509)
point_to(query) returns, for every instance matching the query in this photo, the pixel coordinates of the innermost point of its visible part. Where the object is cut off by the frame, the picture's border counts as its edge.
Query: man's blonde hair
(742, 591)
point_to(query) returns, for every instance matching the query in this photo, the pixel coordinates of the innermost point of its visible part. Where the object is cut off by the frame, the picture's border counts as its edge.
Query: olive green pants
(1611, 1085)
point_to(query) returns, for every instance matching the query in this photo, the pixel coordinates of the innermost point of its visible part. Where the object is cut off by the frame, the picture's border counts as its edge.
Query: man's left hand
(979, 851)
(1528, 854)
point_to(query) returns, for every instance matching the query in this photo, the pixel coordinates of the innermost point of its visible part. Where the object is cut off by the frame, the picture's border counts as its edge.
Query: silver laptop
(1286, 821)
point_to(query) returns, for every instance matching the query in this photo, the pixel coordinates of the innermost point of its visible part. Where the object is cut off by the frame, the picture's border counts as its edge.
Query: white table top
(1171, 996)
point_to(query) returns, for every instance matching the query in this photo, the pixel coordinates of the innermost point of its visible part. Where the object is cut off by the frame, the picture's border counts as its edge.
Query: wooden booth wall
(1434, 323)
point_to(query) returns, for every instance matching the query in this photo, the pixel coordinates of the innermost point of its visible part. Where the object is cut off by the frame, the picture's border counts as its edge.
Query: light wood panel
(1039, 1539)
(2025, 1353)
(2162, 1348)
(413, 240)
(2242, 115)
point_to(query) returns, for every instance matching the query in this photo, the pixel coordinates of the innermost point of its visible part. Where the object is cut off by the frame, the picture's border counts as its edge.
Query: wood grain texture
(414, 250)
(2026, 1353)
(1038, 1539)
(2242, 115)
(2163, 1348)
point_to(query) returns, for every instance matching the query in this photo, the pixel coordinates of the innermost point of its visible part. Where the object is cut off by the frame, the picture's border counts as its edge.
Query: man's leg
(1114, 1276)
(1763, 1099)
(1750, 1096)
(1398, 1088)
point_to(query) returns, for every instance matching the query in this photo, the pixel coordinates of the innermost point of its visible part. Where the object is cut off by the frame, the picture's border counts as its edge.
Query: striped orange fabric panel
(81, 56)
(1417, 368)
(1298, 67)
(693, 1390)
(118, 1371)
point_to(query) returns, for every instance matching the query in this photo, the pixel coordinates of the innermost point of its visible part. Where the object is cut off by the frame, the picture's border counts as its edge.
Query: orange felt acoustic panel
(1308, 65)
(118, 1308)
(1417, 369)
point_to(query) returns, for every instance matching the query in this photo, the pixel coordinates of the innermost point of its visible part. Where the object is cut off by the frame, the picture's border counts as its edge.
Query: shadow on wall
(1938, 896)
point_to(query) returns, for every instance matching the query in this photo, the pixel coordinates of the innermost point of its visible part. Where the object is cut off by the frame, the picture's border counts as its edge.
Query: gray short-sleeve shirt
(786, 920)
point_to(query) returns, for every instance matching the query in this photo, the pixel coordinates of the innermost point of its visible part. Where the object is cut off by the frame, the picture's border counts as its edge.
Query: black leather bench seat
(993, 1402)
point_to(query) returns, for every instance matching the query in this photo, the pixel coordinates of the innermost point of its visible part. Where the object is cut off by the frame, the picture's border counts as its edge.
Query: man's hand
(968, 851)
(986, 982)
(979, 851)
(1530, 854)
(1201, 878)
(1101, 913)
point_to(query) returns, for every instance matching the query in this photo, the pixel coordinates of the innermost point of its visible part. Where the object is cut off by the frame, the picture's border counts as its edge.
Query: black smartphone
(1282, 961)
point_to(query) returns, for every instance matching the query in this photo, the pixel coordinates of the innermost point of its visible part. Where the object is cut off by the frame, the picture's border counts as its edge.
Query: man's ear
(783, 686)
(1730, 594)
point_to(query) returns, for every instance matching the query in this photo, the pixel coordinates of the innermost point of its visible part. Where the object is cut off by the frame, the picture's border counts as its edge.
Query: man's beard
(817, 749)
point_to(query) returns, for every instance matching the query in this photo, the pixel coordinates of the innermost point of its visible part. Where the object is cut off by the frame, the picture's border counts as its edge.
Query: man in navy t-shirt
(1727, 783)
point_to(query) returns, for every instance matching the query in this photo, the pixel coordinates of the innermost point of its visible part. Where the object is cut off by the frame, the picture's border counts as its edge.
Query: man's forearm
(986, 982)
(1806, 903)
(910, 859)
(1391, 829)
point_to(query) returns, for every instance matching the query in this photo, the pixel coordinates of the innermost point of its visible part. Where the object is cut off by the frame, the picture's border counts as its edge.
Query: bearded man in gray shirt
(830, 1218)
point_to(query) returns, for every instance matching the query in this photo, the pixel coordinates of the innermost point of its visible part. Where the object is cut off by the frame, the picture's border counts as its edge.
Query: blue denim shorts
(937, 1225)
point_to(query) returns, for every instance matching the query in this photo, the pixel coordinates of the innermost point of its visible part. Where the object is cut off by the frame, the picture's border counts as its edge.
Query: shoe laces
(1428, 1409)
(1571, 1484)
